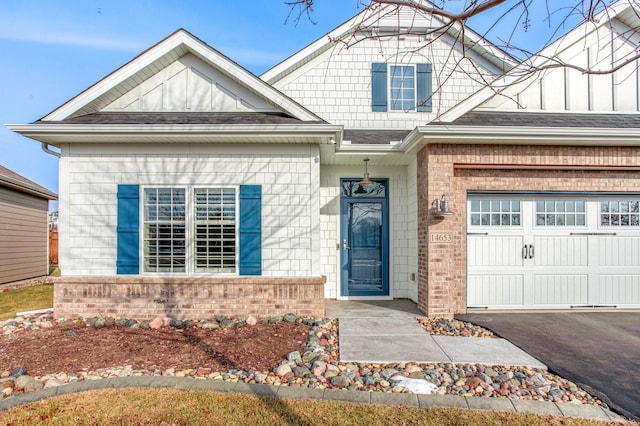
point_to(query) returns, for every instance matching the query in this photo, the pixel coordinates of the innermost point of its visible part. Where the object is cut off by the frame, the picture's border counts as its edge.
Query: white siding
(288, 175)
(566, 89)
(402, 234)
(337, 84)
(189, 84)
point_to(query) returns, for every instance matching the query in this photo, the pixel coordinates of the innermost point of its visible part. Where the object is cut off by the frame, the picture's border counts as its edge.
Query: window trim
(422, 87)
(470, 212)
(189, 230)
(565, 226)
(390, 98)
(619, 227)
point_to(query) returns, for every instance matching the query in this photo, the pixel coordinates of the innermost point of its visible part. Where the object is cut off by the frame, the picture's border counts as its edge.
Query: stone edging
(356, 397)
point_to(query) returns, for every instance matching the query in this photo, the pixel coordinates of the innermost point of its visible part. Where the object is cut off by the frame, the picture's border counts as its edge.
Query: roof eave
(57, 134)
(21, 187)
(515, 135)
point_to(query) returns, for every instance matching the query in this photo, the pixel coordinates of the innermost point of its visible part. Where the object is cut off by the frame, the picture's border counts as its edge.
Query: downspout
(45, 148)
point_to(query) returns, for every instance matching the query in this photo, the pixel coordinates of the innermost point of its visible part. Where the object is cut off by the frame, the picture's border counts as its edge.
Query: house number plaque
(441, 237)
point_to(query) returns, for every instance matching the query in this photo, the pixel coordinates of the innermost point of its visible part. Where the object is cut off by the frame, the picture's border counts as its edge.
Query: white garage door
(553, 251)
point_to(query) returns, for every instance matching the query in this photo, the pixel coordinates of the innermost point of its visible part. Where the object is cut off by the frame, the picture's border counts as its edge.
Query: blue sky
(52, 50)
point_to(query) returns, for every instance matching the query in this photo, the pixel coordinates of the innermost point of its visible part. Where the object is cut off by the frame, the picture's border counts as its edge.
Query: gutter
(54, 134)
(45, 148)
(575, 136)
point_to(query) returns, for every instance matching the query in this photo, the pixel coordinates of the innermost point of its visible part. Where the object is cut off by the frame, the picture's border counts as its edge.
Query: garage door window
(560, 213)
(620, 213)
(495, 212)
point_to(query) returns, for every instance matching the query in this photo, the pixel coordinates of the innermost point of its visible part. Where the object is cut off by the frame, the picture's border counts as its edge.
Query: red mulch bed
(66, 349)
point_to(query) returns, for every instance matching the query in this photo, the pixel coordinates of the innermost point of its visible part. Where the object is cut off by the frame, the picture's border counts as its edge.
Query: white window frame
(616, 227)
(190, 230)
(490, 199)
(390, 90)
(586, 213)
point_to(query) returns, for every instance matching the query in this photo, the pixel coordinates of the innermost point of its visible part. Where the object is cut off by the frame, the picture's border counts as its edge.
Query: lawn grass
(175, 407)
(25, 299)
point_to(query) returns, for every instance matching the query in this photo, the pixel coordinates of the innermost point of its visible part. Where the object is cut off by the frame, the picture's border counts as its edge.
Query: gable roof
(622, 10)
(88, 117)
(167, 51)
(11, 179)
(373, 18)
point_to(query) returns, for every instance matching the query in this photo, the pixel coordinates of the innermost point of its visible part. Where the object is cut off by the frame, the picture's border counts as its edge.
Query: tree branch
(454, 17)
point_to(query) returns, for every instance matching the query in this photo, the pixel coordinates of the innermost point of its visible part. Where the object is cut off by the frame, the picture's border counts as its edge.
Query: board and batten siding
(288, 175)
(23, 236)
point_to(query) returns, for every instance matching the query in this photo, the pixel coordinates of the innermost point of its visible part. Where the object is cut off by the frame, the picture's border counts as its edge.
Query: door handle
(531, 251)
(525, 252)
(344, 245)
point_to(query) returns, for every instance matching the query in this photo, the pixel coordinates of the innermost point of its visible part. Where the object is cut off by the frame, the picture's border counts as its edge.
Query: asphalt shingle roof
(183, 118)
(15, 181)
(541, 119)
(374, 137)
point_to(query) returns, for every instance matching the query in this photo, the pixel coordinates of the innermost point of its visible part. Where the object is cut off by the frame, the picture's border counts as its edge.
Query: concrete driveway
(599, 351)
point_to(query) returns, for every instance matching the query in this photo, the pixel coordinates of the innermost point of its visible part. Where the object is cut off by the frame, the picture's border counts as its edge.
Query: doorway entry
(364, 242)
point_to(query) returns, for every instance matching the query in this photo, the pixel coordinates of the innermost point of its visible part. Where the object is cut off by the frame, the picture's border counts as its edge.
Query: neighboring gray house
(24, 227)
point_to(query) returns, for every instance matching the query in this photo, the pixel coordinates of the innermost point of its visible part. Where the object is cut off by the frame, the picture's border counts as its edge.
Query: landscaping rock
(340, 381)
(156, 324)
(295, 357)
(18, 371)
(289, 318)
(209, 325)
(283, 370)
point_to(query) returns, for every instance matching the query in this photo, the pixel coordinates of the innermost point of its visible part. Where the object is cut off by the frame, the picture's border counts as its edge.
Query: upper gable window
(401, 87)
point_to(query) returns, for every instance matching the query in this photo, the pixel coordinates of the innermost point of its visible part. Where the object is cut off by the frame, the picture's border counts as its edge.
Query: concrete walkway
(285, 392)
(385, 332)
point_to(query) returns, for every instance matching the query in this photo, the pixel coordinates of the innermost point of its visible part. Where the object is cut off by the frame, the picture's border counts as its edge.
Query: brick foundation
(186, 297)
(456, 169)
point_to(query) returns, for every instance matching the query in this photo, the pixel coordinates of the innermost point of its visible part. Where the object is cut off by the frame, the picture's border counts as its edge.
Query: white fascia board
(55, 134)
(269, 75)
(109, 82)
(201, 49)
(544, 56)
(577, 136)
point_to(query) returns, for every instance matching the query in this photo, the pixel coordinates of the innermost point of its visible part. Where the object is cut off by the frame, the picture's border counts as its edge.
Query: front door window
(364, 248)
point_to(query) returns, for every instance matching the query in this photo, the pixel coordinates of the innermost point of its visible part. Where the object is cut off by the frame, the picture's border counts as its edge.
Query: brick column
(440, 238)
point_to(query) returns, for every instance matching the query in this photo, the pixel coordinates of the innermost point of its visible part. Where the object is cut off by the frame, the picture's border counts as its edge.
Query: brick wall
(187, 298)
(456, 169)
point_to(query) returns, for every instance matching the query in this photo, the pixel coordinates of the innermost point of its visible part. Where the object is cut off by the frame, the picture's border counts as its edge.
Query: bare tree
(505, 24)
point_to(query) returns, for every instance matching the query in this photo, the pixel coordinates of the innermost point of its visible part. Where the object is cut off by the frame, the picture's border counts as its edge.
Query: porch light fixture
(365, 180)
(441, 206)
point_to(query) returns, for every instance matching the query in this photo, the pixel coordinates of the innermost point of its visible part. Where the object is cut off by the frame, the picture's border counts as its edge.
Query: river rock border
(317, 366)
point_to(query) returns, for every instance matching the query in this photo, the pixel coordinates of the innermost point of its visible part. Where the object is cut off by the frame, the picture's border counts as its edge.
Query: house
(24, 206)
(191, 188)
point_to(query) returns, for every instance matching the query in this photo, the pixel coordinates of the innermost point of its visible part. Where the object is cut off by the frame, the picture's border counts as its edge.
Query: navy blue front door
(364, 239)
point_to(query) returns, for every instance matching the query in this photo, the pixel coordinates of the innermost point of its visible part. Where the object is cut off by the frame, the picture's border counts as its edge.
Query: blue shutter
(424, 88)
(250, 230)
(128, 242)
(379, 86)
